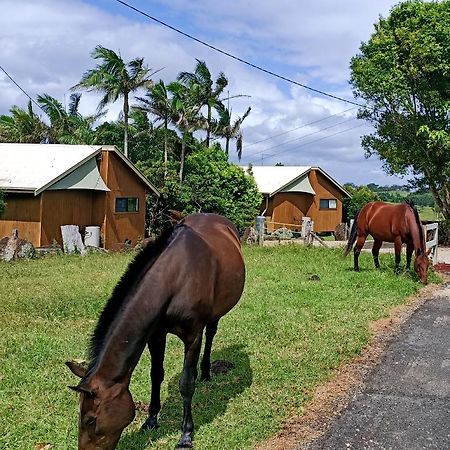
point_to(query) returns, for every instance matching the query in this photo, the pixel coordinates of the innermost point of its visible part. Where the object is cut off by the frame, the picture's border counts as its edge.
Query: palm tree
(114, 78)
(23, 126)
(185, 114)
(223, 128)
(158, 103)
(68, 127)
(207, 92)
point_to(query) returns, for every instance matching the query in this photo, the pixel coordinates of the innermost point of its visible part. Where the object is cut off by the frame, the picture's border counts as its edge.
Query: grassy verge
(304, 312)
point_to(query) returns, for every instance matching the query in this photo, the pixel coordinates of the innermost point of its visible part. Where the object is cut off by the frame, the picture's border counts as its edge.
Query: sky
(45, 46)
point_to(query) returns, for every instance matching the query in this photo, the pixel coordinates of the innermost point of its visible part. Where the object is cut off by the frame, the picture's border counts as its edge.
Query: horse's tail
(352, 238)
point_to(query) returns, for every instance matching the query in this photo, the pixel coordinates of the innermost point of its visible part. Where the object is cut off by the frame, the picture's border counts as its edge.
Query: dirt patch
(221, 366)
(330, 399)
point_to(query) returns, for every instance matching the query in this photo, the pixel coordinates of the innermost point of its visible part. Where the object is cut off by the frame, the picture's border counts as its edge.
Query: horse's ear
(76, 369)
(83, 389)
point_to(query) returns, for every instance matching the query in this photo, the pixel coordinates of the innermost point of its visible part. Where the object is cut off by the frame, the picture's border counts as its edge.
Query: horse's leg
(187, 388)
(409, 252)
(357, 250)
(205, 365)
(398, 252)
(376, 251)
(157, 347)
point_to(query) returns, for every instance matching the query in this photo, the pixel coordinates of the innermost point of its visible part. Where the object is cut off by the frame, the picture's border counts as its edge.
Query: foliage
(402, 74)
(23, 126)
(444, 232)
(185, 115)
(115, 79)
(286, 336)
(211, 184)
(159, 132)
(208, 94)
(359, 197)
(223, 128)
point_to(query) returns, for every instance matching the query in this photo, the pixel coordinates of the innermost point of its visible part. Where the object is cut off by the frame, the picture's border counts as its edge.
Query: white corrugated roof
(36, 167)
(270, 179)
(32, 167)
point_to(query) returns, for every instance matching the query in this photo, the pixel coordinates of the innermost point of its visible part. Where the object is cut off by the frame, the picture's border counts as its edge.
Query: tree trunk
(126, 108)
(227, 145)
(208, 131)
(165, 148)
(183, 152)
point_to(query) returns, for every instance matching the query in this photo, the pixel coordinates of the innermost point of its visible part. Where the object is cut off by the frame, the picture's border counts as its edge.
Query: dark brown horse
(182, 283)
(399, 224)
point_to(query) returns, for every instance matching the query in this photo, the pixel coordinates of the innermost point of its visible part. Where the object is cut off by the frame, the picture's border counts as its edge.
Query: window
(127, 204)
(328, 203)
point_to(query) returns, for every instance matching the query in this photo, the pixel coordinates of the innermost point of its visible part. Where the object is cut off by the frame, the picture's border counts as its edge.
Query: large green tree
(403, 74)
(115, 79)
(211, 184)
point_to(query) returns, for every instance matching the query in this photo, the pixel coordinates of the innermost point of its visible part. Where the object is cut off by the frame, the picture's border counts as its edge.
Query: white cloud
(45, 45)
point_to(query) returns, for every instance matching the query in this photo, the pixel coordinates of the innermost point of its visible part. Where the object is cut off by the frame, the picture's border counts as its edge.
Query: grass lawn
(285, 336)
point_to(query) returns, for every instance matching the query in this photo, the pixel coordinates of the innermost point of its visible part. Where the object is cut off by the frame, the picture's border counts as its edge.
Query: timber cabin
(49, 185)
(293, 192)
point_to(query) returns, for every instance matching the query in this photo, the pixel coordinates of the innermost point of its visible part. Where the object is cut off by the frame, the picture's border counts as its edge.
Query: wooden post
(260, 221)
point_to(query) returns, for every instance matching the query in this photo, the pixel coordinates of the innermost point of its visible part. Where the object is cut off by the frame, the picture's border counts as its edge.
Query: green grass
(285, 336)
(427, 213)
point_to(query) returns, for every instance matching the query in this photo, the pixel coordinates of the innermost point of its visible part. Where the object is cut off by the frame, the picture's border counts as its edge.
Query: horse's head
(105, 410)
(421, 265)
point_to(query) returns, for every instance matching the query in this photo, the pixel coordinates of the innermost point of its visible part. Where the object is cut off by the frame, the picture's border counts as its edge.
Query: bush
(444, 232)
(359, 197)
(211, 185)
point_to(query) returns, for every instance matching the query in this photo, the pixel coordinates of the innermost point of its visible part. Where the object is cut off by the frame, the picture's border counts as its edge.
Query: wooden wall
(291, 207)
(67, 207)
(23, 213)
(122, 182)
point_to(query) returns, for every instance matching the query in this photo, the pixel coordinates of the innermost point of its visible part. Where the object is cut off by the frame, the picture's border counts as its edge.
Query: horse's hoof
(205, 377)
(356, 269)
(184, 442)
(150, 424)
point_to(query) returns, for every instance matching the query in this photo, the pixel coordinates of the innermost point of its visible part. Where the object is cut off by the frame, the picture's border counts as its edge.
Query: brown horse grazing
(399, 224)
(182, 283)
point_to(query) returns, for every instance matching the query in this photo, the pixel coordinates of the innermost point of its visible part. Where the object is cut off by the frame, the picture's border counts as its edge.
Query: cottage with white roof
(293, 192)
(49, 185)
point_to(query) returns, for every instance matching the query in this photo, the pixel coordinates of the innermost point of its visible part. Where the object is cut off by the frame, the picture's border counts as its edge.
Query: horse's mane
(411, 204)
(137, 268)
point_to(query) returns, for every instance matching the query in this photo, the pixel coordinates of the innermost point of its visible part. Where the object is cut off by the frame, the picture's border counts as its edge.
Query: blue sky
(45, 46)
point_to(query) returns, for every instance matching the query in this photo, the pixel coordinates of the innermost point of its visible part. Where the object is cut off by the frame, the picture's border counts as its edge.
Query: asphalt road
(405, 403)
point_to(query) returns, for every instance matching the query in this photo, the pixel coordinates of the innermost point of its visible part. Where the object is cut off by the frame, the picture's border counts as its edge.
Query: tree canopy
(402, 73)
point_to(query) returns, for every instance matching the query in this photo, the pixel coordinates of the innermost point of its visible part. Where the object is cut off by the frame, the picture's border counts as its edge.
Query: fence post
(260, 221)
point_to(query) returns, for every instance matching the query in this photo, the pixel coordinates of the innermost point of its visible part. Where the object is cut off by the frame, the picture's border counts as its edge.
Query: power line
(269, 72)
(312, 142)
(298, 128)
(304, 136)
(20, 87)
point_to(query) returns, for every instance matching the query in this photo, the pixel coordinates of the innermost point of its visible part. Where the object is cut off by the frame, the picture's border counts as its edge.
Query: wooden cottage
(49, 185)
(293, 192)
